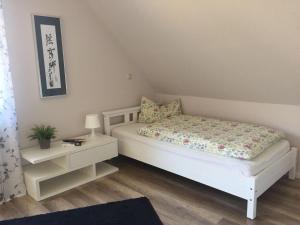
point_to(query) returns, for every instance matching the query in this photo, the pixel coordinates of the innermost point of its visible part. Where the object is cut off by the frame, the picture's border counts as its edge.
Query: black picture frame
(50, 56)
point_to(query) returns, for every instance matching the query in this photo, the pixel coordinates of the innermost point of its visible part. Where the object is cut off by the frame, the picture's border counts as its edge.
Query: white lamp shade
(92, 121)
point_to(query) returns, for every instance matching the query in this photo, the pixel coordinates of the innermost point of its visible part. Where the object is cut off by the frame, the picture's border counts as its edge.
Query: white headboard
(130, 116)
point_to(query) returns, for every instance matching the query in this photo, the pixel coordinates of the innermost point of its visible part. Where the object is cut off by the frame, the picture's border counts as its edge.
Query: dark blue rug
(129, 212)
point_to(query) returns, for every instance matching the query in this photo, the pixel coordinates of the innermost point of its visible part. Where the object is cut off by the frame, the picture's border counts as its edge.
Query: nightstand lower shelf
(40, 188)
(104, 169)
(63, 183)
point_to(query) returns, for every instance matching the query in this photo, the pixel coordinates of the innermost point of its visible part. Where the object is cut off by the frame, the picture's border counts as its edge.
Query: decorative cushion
(171, 109)
(150, 111)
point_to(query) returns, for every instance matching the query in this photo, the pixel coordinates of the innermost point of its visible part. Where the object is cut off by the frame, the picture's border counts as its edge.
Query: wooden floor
(177, 200)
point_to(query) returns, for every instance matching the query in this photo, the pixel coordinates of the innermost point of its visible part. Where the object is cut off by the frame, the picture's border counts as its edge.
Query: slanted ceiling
(244, 50)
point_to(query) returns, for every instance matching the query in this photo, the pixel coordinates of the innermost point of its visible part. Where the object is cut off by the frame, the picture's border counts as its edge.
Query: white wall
(231, 49)
(283, 117)
(96, 69)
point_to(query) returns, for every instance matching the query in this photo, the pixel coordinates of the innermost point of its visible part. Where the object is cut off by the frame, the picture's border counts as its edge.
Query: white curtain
(11, 179)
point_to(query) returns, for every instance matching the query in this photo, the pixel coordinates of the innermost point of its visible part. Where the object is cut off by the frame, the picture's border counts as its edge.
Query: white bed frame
(249, 188)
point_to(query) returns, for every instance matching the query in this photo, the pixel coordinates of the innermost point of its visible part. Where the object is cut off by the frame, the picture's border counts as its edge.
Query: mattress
(129, 133)
(226, 138)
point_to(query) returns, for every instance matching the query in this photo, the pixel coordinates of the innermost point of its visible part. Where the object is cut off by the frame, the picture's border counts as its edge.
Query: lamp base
(93, 134)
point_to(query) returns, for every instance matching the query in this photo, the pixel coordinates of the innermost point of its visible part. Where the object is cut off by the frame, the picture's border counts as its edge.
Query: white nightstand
(59, 168)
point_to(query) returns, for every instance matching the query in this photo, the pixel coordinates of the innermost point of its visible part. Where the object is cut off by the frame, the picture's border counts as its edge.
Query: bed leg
(251, 208)
(292, 173)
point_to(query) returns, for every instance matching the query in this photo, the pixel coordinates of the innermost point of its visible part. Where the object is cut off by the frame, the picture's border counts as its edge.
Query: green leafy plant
(42, 132)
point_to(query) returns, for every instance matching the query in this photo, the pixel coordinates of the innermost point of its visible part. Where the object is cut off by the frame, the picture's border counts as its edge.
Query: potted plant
(43, 134)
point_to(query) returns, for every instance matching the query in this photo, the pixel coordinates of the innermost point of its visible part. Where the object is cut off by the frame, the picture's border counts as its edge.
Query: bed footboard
(128, 115)
(266, 178)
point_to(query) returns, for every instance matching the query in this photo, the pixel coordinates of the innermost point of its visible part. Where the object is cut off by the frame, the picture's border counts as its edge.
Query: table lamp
(92, 122)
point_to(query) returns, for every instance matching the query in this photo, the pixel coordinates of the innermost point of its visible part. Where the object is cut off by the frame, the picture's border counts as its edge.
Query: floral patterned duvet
(226, 138)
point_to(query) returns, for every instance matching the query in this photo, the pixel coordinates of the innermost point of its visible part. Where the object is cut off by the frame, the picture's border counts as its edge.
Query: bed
(247, 179)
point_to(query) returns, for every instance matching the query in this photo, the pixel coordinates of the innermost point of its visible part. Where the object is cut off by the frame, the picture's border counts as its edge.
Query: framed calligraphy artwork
(50, 56)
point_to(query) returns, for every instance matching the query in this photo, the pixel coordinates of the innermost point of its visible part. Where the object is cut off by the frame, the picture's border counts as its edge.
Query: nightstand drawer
(93, 155)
